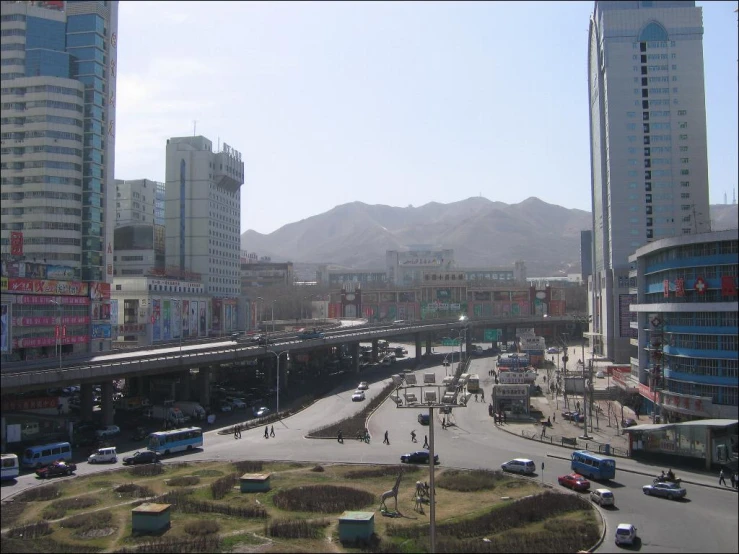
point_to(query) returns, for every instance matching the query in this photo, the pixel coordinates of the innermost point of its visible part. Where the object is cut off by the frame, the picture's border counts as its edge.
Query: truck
(192, 409)
(167, 413)
(131, 403)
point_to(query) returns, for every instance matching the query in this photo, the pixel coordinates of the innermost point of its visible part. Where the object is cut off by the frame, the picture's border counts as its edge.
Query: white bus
(473, 383)
(9, 463)
(177, 440)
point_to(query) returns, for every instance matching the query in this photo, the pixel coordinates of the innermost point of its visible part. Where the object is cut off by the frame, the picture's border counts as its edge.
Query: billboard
(216, 310)
(203, 330)
(45, 286)
(156, 318)
(101, 331)
(423, 258)
(167, 319)
(176, 319)
(193, 318)
(185, 318)
(114, 312)
(5, 328)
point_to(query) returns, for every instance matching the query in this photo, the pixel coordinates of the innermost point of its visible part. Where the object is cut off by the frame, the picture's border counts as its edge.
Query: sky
(394, 103)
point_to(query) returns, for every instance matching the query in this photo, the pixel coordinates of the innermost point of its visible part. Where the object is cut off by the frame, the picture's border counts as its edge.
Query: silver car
(673, 491)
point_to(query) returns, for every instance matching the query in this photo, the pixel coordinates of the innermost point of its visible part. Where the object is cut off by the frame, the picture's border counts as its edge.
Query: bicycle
(363, 437)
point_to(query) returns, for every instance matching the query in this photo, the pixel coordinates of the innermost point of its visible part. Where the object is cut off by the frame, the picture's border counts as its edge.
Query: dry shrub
(221, 487)
(86, 522)
(296, 529)
(134, 491)
(322, 498)
(469, 481)
(181, 502)
(202, 527)
(384, 471)
(207, 473)
(58, 509)
(318, 469)
(248, 466)
(30, 531)
(183, 481)
(40, 494)
(193, 544)
(146, 470)
(353, 425)
(45, 544)
(11, 511)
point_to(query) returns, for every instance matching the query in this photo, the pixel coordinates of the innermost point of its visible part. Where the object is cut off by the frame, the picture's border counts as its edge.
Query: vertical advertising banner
(156, 318)
(194, 318)
(185, 318)
(114, 312)
(203, 331)
(166, 320)
(5, 328)
(228, 318)
(216, 306)
(176, 319)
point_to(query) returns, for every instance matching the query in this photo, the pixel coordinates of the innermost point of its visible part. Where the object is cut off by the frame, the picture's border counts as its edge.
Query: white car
(625, 533)
(236, 402)
(600, 375)
(602, 497)
(108, 431)
(519, 465)
(552, 350)
(103, 455)
(363, 386)
(358, 396)
(260, 412)
(225, 406)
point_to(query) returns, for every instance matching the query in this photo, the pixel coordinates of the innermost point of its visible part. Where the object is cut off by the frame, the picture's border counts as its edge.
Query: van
(107, 455)
(519, 465)
(42, 455)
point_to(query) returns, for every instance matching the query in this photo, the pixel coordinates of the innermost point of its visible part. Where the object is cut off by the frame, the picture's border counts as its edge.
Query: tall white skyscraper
(649, 169)
(202, 209)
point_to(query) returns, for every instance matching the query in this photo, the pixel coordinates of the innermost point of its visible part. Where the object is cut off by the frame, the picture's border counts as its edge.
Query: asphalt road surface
(704, 522)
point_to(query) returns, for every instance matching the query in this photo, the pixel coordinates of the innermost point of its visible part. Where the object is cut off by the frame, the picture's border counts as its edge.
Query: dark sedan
(418, 457)
(55, 469)
(146, 457)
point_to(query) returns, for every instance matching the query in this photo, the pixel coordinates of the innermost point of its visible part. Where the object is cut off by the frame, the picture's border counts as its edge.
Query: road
(706, 521)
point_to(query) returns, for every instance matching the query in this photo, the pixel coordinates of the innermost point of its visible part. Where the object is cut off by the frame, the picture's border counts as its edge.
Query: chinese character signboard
(16, 243)
(680, 287)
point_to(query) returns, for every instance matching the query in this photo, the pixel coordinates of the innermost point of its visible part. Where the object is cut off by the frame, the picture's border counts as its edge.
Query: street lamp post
(273, 315)
(259, 305)
(277, 355)
(179, 323)
(59, 330)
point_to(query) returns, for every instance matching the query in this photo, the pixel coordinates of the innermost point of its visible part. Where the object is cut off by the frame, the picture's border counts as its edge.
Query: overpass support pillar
(374, 351)
(106, 402)
(86, 401)
(417, 339)
(204, 386)
(429, 343)
(354, 352)
(185, 385)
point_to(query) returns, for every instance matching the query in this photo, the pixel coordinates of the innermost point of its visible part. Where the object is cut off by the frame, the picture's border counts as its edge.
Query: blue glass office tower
(58, 77)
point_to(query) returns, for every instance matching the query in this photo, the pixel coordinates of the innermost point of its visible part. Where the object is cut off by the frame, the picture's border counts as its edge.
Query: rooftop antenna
(725, 200)
(219, 144)
(194, 127)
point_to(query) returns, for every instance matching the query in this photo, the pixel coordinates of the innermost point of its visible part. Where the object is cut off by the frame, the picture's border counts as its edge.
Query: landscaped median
(476, 511)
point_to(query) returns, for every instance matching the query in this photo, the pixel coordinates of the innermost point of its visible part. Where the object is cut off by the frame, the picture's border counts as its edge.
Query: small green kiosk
(150, 518)
(356, 526)
(255, 482)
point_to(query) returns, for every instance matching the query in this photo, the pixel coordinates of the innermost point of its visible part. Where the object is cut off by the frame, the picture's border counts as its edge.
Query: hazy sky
(385, 103)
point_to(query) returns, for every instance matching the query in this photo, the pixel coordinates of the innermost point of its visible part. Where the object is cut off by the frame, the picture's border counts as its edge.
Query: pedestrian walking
(266, 432)
(732, 478)
(236, 433)
(549, 420)
(554, 418)
(340, 438)
(482, 396)
(475, 397)
(413, 436)
(387, 439)
(504, 418)
(721, 478)
(543, 431)
(443, 423)
(425, 441)
(272, 431)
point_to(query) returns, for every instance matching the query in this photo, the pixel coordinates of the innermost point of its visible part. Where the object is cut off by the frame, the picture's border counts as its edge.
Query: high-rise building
(586, 254)
(202, 214)
(58, 80)
(649, 170)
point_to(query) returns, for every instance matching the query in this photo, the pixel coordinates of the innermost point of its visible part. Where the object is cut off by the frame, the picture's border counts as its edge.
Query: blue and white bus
(39, 456)
(593, 465)
(9, 463)
(177, 440)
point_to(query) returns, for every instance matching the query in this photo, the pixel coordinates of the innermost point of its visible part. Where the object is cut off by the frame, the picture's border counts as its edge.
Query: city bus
(473, 383)
(593, 465)
(9, 464)
(42, 455)
(177, 440)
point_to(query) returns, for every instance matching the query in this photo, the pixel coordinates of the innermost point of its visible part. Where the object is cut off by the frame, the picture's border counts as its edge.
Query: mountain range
(481, 232)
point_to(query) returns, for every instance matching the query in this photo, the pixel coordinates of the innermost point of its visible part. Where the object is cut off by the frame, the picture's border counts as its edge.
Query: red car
(574, 481)
(55, 469)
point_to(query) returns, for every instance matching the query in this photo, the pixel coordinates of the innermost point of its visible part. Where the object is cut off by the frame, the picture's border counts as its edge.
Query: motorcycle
(666, 479)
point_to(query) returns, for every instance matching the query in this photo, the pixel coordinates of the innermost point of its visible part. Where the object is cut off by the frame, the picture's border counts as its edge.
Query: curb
(603, 533)
(637, 472)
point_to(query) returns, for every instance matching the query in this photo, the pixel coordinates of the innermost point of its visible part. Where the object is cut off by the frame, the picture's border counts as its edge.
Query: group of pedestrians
(268, 431)
(733, 478)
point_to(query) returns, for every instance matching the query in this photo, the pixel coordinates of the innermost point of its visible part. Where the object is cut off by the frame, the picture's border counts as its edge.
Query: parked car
(145, 457)
(423, 419)
(629, 422)
(673, 491)
(55, 469)
(224, 406)
(418, 457)
(237, 403)
(108, 431)
(552, 350)
(625, 533)
(574, 481)
(363, 386)
(600, 375)
(260, 412)
(358, 396)
(104, 455)
(519, 465)
(603, 497)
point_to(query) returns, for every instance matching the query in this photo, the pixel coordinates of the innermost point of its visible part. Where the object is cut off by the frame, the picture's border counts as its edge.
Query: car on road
(108, 431)
(237, 403)
(260, 412)
(358, 396)
(552, 350)
(625, 534)
(574, 481)
(314, 334)
(104, 455)
(600, 375)
(423, 419)
(224, 406)
(673, 491)
(264, 340)
(363, 386)
(55, 469)
(519, 465)
(145, 457)
(418, 457)
(603, 497)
